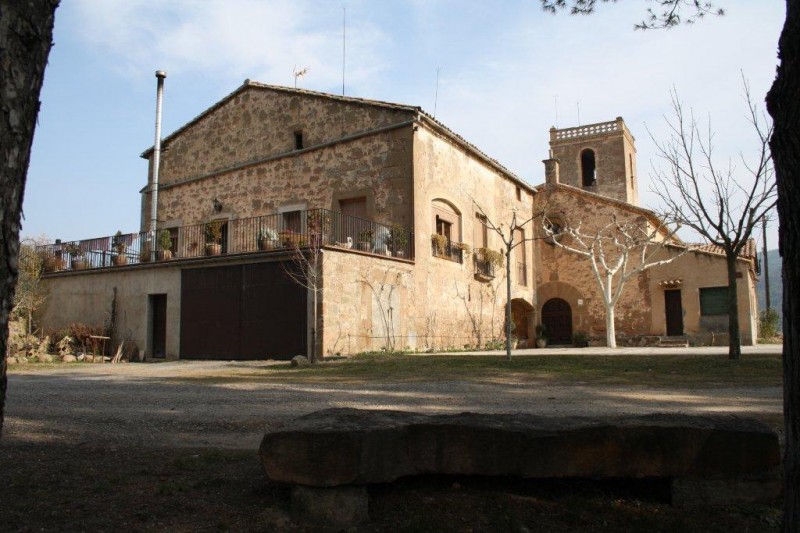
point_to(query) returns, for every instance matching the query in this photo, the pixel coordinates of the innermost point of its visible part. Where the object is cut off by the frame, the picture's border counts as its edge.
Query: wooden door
(557, 318)
(158, 325)
(673, 310)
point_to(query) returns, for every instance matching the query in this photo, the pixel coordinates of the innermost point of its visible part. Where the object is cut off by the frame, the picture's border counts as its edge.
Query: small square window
(298, 140)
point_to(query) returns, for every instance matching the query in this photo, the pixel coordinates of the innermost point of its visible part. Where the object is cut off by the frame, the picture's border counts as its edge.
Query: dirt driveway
(204, 404)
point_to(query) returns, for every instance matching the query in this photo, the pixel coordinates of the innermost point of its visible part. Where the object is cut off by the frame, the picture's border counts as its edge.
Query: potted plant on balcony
(267, 238)
(541, 336)
(365, 240)
(464, 247)
(319, 226)
(119, 246)
(398, 241)
(76, 256)
(439, 244)
(213, 234)
(164, 245)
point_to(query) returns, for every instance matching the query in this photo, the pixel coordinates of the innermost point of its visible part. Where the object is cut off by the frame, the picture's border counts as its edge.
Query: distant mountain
(775, 282)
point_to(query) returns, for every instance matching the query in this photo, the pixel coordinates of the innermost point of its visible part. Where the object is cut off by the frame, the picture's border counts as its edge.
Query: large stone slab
(338, 447)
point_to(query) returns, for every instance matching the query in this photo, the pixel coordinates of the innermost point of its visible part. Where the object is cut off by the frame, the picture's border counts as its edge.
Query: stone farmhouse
(390, 209)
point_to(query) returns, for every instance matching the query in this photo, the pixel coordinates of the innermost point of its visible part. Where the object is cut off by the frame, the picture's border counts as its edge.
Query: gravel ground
(185, 404)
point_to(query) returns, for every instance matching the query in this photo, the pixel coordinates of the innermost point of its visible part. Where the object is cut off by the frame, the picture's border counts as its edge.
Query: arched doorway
(557, 318)
(520, 310)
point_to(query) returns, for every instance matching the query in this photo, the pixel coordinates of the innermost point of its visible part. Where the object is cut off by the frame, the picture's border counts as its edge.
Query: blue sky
(507, 73)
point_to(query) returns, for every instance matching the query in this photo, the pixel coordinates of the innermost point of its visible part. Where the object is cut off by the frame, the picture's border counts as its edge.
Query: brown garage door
(242, 312)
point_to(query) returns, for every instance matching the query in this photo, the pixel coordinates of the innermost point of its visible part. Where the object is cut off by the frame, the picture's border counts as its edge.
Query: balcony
(485, 262)
(444, 248)
(280, 232)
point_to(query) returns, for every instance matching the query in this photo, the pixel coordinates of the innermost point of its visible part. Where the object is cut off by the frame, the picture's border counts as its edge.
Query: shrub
(769, 323)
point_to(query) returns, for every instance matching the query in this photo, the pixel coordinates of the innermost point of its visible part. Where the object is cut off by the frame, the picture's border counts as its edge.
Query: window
(630, 162)
(522, 261)
(446, 220)
(482, 231)
(519, 194)
(292, 221)
(298, 140)
(444, 227)
(588, 168)
(713, 301)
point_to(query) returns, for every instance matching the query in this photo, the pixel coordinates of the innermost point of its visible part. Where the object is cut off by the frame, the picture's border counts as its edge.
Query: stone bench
(331, 456)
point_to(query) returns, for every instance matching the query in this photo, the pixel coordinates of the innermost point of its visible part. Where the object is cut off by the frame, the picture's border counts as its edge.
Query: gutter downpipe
(160, 75)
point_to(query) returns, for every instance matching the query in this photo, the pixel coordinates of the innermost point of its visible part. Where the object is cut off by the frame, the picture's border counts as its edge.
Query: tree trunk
(26, 33)
(783, 104)
(508, 302)
(611, 329)
(734, 338)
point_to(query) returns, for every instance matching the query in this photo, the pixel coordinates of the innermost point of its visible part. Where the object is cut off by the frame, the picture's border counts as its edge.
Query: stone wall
(256, 122)
(615, 158)
(566, 275)
(377, 166)
(641, 309)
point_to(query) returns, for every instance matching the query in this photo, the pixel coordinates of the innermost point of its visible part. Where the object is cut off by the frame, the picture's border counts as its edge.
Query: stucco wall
(368, 303)
(455, 304)
(86, 297)
(700, 270)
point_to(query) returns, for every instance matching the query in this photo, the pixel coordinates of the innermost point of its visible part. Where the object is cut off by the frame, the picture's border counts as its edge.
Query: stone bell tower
(600, 158)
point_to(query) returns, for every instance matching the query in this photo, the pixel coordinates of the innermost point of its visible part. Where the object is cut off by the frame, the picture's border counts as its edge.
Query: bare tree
(30, 292)
(618, 250)
(721, 203)
(26, 33)
(306, 271)
(508, 231)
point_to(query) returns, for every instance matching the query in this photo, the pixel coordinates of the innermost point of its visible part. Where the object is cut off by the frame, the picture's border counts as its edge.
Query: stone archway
(557, 319)
(520, 313)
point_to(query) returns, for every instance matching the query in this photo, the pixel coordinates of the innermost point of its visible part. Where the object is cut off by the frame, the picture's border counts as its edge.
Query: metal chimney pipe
(160, 74)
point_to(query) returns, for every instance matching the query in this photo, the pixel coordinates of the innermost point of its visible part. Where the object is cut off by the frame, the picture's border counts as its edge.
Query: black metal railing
(484, 265)
(297, 229)
(446, 249)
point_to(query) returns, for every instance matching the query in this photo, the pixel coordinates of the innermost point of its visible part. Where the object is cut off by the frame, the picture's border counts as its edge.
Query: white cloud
(230, 39)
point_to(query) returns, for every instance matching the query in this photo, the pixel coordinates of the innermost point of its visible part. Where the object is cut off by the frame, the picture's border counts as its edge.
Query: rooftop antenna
(344, 42)
(578, 105)
(299, 74)
(436, 95)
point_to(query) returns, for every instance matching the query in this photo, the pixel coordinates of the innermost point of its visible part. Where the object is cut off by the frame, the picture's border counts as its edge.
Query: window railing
(484, 265)
(446, 249)
(318, 227)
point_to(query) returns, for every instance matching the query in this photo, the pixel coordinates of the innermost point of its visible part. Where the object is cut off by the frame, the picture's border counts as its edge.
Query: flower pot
(118, 260)
(365, 246)
(267, 244)
(213, 249)
(79, 264)
(400, 253)
(163, 255)
(541, 343)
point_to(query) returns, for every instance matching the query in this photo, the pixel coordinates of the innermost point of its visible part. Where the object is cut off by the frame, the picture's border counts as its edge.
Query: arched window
(588, 168)
(446, 220)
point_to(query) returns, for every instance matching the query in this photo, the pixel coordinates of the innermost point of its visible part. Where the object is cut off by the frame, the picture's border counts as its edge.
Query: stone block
(337, 447)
